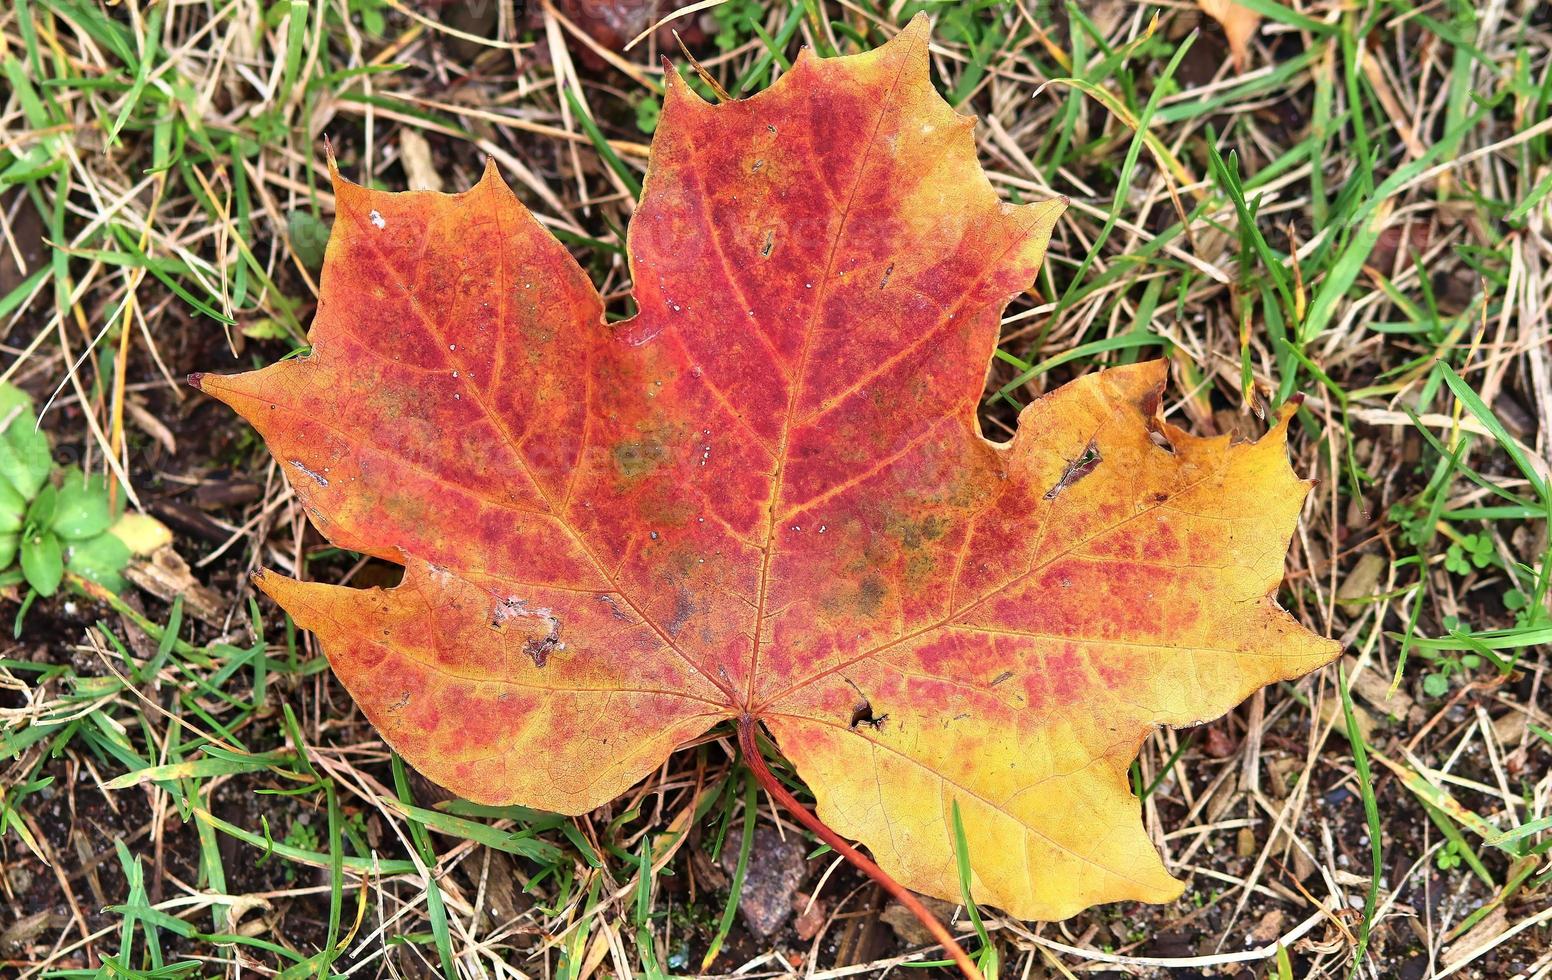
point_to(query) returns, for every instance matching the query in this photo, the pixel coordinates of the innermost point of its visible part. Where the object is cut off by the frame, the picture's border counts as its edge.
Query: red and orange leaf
(767, 496)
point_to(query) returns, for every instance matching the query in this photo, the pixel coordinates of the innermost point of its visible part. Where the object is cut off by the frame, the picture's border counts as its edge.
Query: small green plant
(1528, 614)
(1448, 857)
(648, 110)
(735, 21)
(302, 836)
(1412, 519)
(372, 15)
(52, 519)
(1436, 683)
(1470, 551)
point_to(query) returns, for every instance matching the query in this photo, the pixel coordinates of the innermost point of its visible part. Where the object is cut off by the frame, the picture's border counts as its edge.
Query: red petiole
(756, 763)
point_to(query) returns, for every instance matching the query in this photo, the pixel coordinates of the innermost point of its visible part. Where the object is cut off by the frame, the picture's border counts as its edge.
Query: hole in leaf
(862, 714)
(1076, 470)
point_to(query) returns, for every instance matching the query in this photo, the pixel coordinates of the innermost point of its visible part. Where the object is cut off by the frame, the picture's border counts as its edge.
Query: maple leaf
(766, 498)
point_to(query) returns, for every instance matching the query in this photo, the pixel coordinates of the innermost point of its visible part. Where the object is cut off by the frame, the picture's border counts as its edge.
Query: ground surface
(1366, 223)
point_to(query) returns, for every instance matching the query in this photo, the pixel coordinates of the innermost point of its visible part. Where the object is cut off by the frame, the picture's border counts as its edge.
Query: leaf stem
(756, 763)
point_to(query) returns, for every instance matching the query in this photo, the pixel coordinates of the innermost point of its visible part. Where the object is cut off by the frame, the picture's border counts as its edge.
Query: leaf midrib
(795, 389)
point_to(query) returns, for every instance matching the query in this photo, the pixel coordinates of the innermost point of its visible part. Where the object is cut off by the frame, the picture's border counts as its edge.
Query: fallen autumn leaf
(766, 498)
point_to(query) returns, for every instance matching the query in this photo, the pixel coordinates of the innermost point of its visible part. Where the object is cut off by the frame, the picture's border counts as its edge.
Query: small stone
(811, 915)
(777, 868)
(1362, 582)
(1245, 842)
(1268, 927)
(19, 878)
(1218, 742)
(909, 928)
(1510, 729)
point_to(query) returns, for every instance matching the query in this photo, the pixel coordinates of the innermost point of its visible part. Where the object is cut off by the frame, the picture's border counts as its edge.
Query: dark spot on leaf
(683, 609)
(319, 478)
(539, 648)
(870, 595)
(914, 534)
(614, 607)
(920, 566)
(535, 646)
(634, 459)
